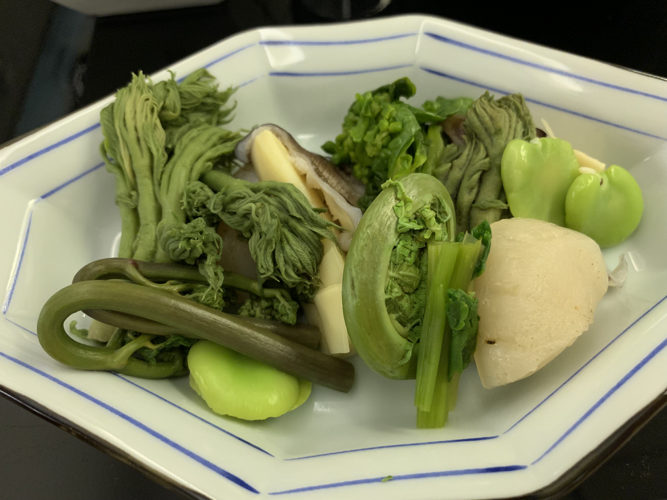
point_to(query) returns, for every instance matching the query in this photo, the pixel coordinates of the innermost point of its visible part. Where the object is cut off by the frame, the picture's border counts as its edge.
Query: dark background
(54, 60)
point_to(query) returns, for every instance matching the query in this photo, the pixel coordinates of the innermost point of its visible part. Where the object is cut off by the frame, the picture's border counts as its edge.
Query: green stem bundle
(193, 320)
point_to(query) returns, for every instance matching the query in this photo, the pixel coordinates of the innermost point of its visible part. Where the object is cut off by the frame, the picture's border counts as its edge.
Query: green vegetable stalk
(448, 343)
(405, 290)
(193, 320)
(188, 282)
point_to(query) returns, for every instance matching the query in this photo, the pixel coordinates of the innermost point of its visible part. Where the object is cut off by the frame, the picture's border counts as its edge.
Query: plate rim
(565, 483)
(647, 412)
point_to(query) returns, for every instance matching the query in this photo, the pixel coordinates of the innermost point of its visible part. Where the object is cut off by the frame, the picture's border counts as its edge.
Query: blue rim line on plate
(432, 474)
(340, 73)
(561, 438)
(403, 477)
(48, 148)
(184, 410)
(355, 41)
(438, 442)
(604, 398)
(137, 423)
(595, 356)
(440, 38)
(542, 67)
(493, 469)
(448, 40)
(542, 103)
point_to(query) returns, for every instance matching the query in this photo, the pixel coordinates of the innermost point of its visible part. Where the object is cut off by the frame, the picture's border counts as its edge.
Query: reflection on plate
(59, 211)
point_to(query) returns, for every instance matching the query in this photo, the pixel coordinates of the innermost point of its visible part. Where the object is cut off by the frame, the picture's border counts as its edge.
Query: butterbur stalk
(450, 325)
(194, 320)
(442, 258)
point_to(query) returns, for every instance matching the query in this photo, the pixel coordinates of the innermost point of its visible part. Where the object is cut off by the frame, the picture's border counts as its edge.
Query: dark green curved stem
(147, 273)
(190, 318)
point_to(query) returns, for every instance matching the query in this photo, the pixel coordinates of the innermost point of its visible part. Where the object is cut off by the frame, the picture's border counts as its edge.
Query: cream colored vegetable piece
(276, 156)
(538, 294)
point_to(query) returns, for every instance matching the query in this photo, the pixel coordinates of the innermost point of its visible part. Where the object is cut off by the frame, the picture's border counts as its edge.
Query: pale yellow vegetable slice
(538, 294)
(271, 161)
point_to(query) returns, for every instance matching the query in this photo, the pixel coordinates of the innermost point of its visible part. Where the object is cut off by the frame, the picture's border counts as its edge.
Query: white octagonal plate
(59, 213)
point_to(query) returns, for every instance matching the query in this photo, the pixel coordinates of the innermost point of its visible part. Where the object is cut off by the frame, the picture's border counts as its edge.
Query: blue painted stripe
(343, 73)
(136, 423)
(400, 445)
(404, 477)
(163, 399)
(542, 67)
(72, 180)
(338, 73)
(541, 103)
(12, 286)
(188, 412)
(630, 326)
(604, 398)
(355, 41)
(436, 36)
(24, 328)
(228, 55)
(45, 150)
(24, 242)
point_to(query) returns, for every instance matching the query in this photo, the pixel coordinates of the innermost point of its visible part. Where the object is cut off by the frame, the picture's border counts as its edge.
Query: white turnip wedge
(538, 294)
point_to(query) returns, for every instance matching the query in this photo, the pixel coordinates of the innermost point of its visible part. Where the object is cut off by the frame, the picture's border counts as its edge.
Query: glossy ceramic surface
(59, 213)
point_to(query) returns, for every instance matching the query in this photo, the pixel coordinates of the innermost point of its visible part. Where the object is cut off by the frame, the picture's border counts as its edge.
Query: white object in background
(106, 8)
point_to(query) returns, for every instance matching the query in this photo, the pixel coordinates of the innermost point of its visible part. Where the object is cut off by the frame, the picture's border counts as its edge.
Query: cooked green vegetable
(402, 270)
(170, 156)
(235, 385)
(460, 141)
(536, 176)
(284, 232)
(193, 320)
(383, 285)
(473, 178)
(135, 158)
(188, 282)
(157, 138)
(447, 346)
(545, 180)
(607, 205)
(383, 137)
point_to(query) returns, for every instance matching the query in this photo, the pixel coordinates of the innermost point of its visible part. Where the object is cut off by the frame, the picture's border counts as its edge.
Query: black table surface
(54, 60)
